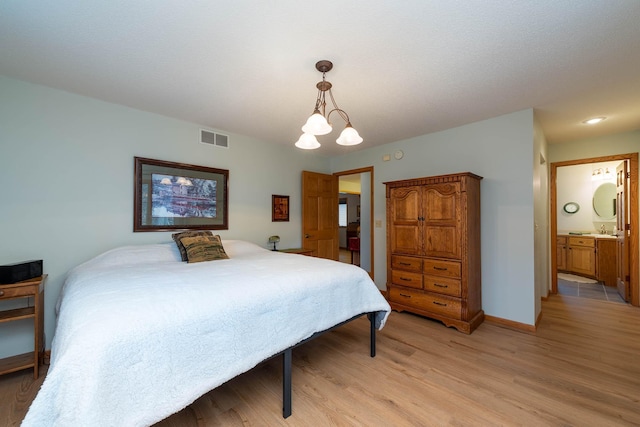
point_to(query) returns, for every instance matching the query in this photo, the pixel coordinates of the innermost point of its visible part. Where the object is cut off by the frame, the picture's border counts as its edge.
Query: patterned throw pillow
(203, 248)
(178, 236)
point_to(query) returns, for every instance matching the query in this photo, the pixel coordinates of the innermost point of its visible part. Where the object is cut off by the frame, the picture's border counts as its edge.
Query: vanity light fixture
(596, 175)
(318, 123)
(594, 120)
(599, 174)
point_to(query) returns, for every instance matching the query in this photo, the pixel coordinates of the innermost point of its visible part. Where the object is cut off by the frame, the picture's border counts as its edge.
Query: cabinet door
(561, 253)
(582, 260)
(442, 220)
(403, 213)
(606, 261)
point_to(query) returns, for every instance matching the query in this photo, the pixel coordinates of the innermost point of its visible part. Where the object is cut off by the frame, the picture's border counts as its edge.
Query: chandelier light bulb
(307, 142)
(349, 136)
(317, 125)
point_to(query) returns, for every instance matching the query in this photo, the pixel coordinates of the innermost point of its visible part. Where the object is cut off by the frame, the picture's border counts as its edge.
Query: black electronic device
(25, 270)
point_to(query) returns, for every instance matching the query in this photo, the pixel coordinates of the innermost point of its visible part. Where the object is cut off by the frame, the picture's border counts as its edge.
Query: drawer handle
(405, 279)
(1, 293)
(440, 286)
(404, 295)
(404, 263)
(440, 303)
(440, 268)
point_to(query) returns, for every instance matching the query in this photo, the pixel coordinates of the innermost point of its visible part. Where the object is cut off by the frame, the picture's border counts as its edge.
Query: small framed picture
(279, 208)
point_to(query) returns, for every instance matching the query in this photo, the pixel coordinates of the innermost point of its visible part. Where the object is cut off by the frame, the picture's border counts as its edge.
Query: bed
(140, 334)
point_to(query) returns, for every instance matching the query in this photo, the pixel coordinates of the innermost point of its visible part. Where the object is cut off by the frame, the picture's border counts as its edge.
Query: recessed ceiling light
(594, 120)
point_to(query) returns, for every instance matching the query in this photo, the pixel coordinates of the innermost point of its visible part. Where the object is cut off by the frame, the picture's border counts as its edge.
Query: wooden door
(622, 241)
(320, 214)
(442, 220)
(404, 213)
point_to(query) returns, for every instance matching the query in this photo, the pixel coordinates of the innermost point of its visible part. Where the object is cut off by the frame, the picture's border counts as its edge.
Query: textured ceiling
(401, 68)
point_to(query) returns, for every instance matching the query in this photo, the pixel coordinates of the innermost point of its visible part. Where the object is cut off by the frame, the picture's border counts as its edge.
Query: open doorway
(560, 230)
(356, 207)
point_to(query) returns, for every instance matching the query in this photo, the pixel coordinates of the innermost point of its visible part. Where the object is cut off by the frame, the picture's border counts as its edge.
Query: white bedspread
(140, 335)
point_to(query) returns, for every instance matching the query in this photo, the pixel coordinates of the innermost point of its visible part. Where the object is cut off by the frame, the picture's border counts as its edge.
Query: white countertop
(596, 235)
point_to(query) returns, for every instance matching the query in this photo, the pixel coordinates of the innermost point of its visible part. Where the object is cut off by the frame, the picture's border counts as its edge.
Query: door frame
(634, 247)
(371, 226)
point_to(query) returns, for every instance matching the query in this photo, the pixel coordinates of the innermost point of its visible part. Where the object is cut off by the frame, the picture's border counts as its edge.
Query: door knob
(306, 236)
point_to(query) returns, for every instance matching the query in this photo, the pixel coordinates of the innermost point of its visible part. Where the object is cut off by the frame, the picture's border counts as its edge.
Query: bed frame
(286, 358)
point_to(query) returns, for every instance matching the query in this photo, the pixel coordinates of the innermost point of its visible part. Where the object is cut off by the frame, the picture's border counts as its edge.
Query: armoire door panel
(406, 240)
(442, 241)
(406, 204)
(441, 204)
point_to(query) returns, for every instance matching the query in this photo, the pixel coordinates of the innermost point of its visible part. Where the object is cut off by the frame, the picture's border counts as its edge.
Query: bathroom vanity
(589, 255)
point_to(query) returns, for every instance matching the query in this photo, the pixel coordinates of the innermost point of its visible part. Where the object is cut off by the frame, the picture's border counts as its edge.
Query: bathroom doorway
(356, 200)
(568, 208)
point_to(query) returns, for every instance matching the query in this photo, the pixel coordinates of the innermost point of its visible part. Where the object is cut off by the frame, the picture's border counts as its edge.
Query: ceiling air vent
(212, 138)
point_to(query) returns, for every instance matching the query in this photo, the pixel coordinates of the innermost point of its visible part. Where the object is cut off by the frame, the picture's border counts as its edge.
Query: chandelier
(318, 123)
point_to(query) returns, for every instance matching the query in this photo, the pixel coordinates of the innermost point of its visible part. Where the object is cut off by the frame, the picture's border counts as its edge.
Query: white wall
(541, 216)
(365, 221)
(66, 174)
(499, 149)
(621, 143)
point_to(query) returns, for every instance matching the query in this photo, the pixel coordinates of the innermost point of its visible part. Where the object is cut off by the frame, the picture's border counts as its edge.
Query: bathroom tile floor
(589, 290)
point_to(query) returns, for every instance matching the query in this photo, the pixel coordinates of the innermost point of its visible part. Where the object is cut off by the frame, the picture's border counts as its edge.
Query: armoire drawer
(406, 263)
(406, 278)
(442, 285)
(437, 304)
(439, 267)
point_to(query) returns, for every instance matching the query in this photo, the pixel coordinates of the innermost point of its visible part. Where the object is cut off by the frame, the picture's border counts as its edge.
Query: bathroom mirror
(604, 201)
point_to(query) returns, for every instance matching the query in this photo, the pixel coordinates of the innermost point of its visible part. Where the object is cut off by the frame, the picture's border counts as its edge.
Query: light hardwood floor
(581, 368)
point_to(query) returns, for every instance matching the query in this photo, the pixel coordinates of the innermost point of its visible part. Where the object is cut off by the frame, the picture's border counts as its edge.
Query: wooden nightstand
(32, 288)
(301, 251)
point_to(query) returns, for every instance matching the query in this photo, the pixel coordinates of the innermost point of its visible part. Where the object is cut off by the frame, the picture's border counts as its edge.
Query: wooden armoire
(433, 248)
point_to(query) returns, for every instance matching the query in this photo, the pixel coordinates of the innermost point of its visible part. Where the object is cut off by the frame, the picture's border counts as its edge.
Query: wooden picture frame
(279, 208)
(177, 196)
